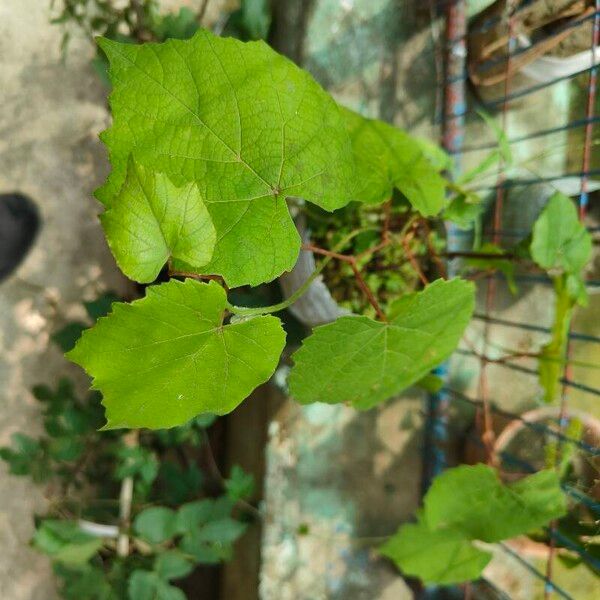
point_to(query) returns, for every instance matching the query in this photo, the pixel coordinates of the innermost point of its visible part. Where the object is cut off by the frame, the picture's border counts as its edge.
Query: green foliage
(70, 424)
(251, 21)
(146, 585)
(240, 485)
(560, 241)
(287, 138)
(155, 524)
(464, 210)
(87, 470)
(210, 138)
(469, 503)
(65, 542)
(473, 500)
(365, 362)
(388, 158)
(179, 26)
(504, 265)
(152, 221)
(169, 356)
(26, 456)
(562, 246)
(437, 557)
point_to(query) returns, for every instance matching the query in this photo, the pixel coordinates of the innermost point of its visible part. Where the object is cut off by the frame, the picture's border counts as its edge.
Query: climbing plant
(215, 146)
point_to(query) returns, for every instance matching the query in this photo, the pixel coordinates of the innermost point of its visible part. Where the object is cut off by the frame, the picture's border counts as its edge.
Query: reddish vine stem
(411, 257)
(443, 272)
(351, 260)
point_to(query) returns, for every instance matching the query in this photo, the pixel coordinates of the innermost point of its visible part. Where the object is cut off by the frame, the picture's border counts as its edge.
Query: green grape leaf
(560, 240)
(444, 557)
(388, 158)
(168, 357)
(359, 360)
(472, 499)
(65, 542)
(469, 503)
(172, 564)
(246, 125)
(156, 524)
(146, 585)
(151, 221)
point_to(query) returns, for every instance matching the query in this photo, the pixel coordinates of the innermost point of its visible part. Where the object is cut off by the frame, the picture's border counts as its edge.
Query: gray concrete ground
(51, 115)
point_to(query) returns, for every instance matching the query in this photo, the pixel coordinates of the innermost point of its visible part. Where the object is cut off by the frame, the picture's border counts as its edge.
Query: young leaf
(244, 123)
(388, 158)
(64, 542)
(169, 356)
(151, 221)
(560, 241)
(444, 557)
(473, 500)
(155, 524)
(240, 485)
(359, 360)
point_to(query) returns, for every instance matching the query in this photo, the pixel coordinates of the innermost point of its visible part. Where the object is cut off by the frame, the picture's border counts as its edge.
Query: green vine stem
(261, 310)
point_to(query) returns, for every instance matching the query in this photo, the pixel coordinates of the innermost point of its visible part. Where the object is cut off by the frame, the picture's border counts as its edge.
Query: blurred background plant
(128, 512)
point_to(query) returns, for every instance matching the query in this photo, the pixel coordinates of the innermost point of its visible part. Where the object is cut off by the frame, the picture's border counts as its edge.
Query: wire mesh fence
(516, 452)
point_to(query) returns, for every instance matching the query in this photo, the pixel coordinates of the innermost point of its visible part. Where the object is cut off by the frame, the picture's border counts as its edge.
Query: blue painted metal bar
(455, 55)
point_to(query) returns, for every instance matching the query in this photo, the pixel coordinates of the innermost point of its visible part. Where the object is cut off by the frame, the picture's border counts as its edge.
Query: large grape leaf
(161, 360)
(356, 359)
(475, 501)
(560, 240)
(244, 123)
(444, 557)
(388, 158)
(469, 503)
(152, 220)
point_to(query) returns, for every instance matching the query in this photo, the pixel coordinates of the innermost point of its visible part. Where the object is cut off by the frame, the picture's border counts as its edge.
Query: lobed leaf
(152, 221)
(475, 501)
(560, 240)
(466, 504)
(442, 557)
(168, 357)
(356, 359)
(387, 157)
(246, 125)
